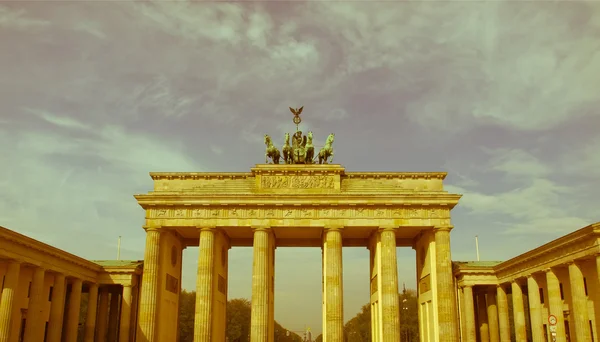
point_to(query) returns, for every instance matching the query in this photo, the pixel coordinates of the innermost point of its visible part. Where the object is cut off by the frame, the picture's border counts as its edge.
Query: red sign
(552, 320)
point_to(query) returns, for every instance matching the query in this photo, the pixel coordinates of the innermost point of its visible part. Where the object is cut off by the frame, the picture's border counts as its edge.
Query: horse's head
(330, 138)
(287, 137)
(267, 139)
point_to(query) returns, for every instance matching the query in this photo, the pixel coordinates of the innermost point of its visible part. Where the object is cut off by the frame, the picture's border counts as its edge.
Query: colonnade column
(90, 319)
(73, 311)
(555, 304)
(518, 312)
(503, 323)
(7, 301)
(390, 300)
(259, 322)
(148, 299)
(57, 308)
(535, 309)
(579, 299)
(492, 313)
(124, 330)
(484, 328)
(333, 286)
(598, 266)
(447, 311)
(102, 319)
(470, 332)
(34, 329)
(204, 286)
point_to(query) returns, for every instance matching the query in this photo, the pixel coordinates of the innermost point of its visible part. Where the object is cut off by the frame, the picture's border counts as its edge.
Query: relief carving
(179, 213)
(252, 213)
(380, 213)
(297, 182)
(325, 213)
(288, 213)
(197, 213)
(161, 212)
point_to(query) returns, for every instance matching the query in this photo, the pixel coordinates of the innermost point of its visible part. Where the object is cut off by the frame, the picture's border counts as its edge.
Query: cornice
(555, 247)
(265, 199)
(41, 247)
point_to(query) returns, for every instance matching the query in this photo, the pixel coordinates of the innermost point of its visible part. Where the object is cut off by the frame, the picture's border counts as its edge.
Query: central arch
(298, 206)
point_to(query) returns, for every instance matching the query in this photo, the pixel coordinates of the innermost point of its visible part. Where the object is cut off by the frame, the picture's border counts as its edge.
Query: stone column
(102, 315)
(57, 308)
(389, 286)
(90, 319)
(492, 313)
(113, 316)
(447, 312)
(150, 280)
(73, 311)
(598, 267)
(470, 330)
(535, 309)
(503, 323)
(580, 314)
(8, 300)
(484, 330)
(204, 286)
(555, 304)
(259, 323)
(125, 328)
(518, 312)
(34, 329)
(334, 303)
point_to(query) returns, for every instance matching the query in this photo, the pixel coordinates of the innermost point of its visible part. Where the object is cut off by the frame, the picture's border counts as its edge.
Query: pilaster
(447, 311)
(34, 329)
(8, 300)
(518, 312)
(580, 308)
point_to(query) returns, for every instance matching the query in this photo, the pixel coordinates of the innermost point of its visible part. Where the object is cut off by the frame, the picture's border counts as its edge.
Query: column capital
(388, 228)
(153, 229)
(334, 227)
(442, 228)
(261, 228)
(211, 228)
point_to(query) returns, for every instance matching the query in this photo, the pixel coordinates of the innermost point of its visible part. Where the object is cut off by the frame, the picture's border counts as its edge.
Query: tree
(238, 320)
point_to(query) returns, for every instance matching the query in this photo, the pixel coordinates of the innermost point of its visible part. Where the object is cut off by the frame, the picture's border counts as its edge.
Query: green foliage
(358, 329)
(238, 320)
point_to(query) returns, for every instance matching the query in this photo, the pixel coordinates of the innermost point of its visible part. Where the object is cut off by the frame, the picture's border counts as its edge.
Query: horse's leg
(266, 157)
(331, 155)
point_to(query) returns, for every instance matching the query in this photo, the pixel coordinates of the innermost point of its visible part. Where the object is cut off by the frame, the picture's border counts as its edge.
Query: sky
(503, 96)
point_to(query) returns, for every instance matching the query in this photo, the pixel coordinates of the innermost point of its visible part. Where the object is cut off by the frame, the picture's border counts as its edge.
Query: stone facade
(559, 279)
(42, 289)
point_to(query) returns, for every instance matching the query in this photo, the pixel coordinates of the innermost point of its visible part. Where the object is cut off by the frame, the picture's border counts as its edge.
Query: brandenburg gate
(296, 204)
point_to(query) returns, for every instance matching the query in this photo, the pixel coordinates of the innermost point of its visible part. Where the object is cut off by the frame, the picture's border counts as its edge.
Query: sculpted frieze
(440, 214)
(297, 182)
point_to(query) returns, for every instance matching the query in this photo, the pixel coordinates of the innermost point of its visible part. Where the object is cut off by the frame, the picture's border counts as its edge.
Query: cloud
(516, 162)
(17, 20)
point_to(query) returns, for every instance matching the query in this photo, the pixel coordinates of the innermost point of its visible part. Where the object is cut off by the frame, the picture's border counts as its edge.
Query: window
(585, 286)
(562, 294)
(50, 293)
(541, 295)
